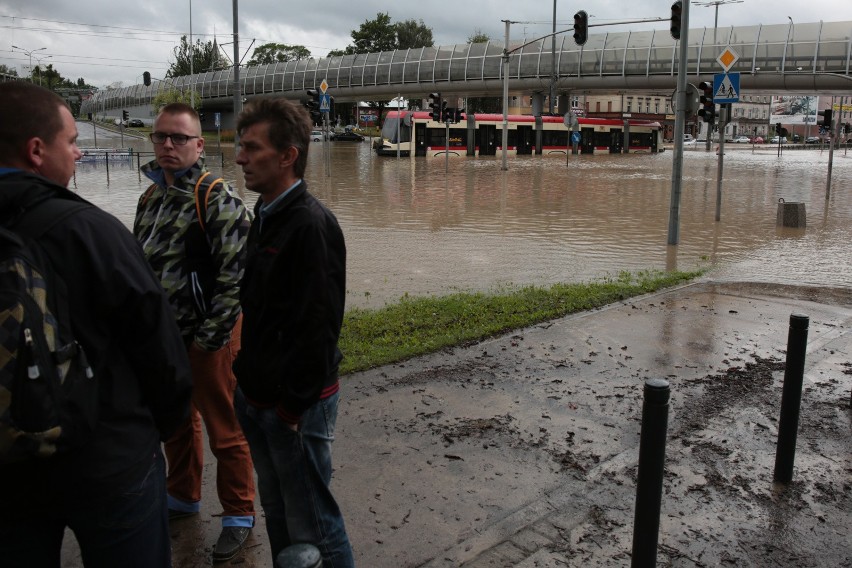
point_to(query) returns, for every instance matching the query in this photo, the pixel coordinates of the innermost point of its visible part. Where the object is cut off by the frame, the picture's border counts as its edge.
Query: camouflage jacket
(163, 216)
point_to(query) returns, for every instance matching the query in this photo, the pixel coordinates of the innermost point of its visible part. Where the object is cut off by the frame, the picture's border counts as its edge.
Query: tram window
(458, 137)
(436, 137)
(389, 131)
(603, 138)
(554, 138)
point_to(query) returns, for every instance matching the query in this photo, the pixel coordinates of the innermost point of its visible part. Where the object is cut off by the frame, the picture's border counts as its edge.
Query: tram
(414, 133)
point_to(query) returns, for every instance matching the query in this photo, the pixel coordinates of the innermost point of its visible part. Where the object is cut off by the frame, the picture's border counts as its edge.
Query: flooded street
(413, 229)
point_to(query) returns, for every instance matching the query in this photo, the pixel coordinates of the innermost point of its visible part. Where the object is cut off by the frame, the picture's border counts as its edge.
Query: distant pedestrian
(110, 489)
(193, 229)
(293, 298)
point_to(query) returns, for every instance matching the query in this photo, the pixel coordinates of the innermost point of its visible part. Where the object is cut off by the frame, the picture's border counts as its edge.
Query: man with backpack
(92, 373)
(193, 229)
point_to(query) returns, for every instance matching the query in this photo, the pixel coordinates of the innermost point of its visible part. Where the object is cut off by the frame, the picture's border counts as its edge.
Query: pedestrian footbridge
(807, 58)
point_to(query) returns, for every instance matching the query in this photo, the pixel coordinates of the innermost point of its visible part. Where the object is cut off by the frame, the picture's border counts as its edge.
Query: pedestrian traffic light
(581, 27)
(435, 105)
(677, 12)
(125, 115)
(313, 105)
(457, 116)
(826, 118)
(708, 108)
(447, 113)
(146, 79)
(778, 128)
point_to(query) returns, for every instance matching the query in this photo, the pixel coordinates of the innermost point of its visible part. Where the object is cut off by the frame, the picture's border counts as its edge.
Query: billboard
(793, 110)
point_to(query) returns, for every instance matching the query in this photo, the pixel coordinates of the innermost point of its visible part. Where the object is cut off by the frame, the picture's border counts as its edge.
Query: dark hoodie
(120, 316)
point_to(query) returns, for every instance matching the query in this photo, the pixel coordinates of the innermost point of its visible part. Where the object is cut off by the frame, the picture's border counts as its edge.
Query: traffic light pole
(680, 121)
(832, 133)
(725, 112)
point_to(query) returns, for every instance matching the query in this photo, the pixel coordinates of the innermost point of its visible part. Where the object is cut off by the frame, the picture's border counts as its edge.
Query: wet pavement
(522, 450)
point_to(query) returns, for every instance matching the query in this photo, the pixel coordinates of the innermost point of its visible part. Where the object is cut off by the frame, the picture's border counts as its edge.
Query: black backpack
(48, 394)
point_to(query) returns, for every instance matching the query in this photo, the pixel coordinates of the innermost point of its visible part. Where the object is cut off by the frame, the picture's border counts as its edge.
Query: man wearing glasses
(193, 230)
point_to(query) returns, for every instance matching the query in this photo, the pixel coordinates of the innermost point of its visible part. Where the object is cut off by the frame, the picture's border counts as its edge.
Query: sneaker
(175, 514)
(230, 542)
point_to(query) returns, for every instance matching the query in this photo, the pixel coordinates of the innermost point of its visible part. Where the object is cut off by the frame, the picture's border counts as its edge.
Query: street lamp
(30, 55)
(716, 3)
(40, 70)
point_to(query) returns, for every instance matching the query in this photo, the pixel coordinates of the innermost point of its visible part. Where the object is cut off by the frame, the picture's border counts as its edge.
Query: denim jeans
(129, 529)
(293, 476)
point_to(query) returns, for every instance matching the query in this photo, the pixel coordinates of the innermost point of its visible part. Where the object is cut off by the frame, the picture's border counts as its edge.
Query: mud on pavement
(522, 450)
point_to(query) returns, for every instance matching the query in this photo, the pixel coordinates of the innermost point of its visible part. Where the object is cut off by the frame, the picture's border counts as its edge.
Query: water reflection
(413, 229)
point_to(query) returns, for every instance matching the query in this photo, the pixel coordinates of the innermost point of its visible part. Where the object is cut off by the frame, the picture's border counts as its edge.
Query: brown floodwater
(413, 228)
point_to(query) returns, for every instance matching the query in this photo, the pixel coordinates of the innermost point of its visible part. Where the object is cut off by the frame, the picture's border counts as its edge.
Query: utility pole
(680, 121)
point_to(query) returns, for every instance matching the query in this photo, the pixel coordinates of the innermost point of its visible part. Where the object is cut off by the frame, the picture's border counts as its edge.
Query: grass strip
(416, 326)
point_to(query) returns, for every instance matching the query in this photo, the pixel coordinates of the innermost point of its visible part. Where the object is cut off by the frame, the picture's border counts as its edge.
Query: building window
(629, 104)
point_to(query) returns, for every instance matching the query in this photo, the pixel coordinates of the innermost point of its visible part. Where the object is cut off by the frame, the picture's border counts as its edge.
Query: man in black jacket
(292, 296)
(110, 490)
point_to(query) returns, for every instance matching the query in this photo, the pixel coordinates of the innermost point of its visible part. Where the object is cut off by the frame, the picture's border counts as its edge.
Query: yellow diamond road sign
(727, 58)
(324, 86)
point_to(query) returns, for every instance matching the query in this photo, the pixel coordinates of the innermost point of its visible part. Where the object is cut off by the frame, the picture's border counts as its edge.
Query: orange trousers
(213, 401)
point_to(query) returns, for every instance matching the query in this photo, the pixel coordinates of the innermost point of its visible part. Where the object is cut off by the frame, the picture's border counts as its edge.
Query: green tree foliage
(278, 53)
(411, 35)
(478, 36)
(175, 96)
(5, 69)
(205, 57)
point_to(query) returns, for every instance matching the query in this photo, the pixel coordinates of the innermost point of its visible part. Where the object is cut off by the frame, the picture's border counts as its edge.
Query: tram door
(419, 139)
(487, 140)
(525, 139)
(587, 141)
(616, 141)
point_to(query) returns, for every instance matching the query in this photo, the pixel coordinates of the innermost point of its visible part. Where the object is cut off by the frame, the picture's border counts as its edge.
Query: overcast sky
(109, 41)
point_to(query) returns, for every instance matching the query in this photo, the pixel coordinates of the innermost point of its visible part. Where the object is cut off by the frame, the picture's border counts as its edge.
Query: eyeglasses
(177, 139)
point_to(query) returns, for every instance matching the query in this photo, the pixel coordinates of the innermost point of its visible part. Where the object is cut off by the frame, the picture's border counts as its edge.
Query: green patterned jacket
(162, 219)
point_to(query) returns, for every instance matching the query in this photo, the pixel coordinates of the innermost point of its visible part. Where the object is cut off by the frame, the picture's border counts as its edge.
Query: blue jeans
(128, 529)
(293, 476)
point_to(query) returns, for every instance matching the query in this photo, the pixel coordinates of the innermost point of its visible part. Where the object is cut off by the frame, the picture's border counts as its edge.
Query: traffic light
(201, 116)
(847, 128)
(447, 113)
(581, 27)
(313, 105)
(146, 79)
(677, 11)
(826, 118)
(708, 108)
(457, 115)
(125, 115)
(436, 105)
(778, 128)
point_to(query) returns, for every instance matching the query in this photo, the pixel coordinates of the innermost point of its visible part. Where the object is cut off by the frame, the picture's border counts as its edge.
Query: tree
(278, 53)
(5, 69)
(175, 96)
(478, 36)
(411, 35)
(205, 57)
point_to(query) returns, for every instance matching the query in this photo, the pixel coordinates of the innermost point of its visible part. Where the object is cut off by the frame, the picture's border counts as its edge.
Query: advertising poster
(368, 117)
(793, 110)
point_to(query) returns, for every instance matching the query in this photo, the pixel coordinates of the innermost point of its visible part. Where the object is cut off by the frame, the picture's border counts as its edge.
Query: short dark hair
(289, 126)
(27, 111)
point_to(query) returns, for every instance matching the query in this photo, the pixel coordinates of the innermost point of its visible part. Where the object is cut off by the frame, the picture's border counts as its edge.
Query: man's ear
(35, 153)
(288, 158)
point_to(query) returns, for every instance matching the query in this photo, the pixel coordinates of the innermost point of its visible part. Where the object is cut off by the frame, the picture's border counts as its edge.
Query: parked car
(135, 123)
(690, 142)
(316, 135)
(813, 140)
(741, 140)
(776, 139)
(688, 138)
(348, 137)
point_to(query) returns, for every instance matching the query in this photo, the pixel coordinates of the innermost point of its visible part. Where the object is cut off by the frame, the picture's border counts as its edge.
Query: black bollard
(791, 398)
(299, 556)
(649, 484)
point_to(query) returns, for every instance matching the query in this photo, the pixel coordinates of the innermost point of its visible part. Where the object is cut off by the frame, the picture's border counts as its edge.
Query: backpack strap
(201, 204)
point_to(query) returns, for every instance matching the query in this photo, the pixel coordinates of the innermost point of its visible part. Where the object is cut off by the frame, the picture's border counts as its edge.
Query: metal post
(726, 112)
(553, 61)
(506, 94)
(791, 397)
(447, 149)
(649, 484)
(238, 100)
(680, 121)
(831, 137)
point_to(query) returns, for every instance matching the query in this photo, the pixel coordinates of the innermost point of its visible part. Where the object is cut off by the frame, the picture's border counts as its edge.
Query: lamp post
(716, 4)
(30, 55)
(40, 70)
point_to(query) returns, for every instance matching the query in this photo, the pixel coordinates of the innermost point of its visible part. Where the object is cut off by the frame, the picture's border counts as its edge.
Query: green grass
(416, 326)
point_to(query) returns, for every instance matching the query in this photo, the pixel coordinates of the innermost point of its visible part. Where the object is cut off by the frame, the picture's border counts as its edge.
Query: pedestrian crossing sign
(726, 88)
